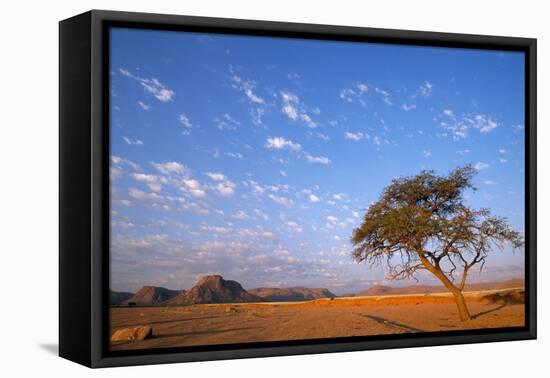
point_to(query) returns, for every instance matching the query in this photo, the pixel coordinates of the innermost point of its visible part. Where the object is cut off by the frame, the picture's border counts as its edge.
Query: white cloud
(408, 107)
(502, 160)
(143, 196)
(294, 226)
(280, 143)
(314, 198)
(194, 187)
(385, 96)
(170, 167)
(489, 182)
(290, 105)
(225, 188)
(226, 122)
(216, 176)
(502, 150)
(339, 196)
(354, 136)
(155, 187)
(362, 87)
(185, 121)
(426, 89)
(235, 155)
(481, 166)
(256, 103)
(152, 86)
(117, 160)
(308, 121)
(241, 215)
(247, 87)
(348, 94)
(144, 106)
(459, 126)
(324, 137)
(317, 159)
(518, 128)
(484, 123)
(134, 142)
(463, 152)
(355, 93)
(282, 200)
(143, 177)
(292, 109)
(426, 153)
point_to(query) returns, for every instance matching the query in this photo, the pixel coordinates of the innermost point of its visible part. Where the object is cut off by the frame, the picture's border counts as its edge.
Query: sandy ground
(341, 317)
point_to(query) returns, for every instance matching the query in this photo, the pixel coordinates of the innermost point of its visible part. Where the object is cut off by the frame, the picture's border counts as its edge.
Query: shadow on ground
(51, 348)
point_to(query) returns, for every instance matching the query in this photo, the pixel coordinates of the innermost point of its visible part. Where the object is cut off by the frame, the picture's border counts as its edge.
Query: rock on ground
(133, 333)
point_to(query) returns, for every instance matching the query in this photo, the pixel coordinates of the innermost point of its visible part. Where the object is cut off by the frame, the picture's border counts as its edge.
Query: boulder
(132, 333)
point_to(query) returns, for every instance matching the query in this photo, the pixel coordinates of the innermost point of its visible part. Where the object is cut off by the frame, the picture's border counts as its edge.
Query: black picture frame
(84, 186)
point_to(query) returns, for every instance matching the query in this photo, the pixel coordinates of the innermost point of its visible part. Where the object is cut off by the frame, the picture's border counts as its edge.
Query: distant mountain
(290, 294)
(425, 289)
(214, 289)
(151, 295)
(117, 297)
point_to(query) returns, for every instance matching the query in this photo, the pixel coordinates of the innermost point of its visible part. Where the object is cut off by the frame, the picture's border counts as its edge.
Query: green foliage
(424, 220)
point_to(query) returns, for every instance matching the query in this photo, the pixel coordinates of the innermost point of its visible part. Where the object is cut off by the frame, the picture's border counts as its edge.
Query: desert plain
(215, 324)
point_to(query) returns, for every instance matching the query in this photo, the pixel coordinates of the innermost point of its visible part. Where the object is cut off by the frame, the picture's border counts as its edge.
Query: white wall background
(29, 185)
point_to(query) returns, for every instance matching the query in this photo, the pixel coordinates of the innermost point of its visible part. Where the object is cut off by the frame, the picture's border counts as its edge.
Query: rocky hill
(151, 295)
(425, 289)
(214, 289)
(290, 294)
(117, 297)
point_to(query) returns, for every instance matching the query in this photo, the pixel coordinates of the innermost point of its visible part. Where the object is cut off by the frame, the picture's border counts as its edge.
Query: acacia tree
(422, 223)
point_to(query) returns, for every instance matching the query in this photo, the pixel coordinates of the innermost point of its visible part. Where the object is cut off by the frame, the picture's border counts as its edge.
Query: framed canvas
(235, 188)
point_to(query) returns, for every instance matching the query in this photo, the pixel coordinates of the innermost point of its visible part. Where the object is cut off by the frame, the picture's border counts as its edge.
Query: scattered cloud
(460, 126)
(481, 166)
(144, 106)
(216, 176)
(385, 96)
(280, 143)
(225, 188)
(194, 187)
(185, 121)
(247, 87)
(287, 202)
(426, 89)
(151, 86)
(408, 107)
(355, 93)
(226, 122)
(170, 167)
(133, 142)
(317, 159)
(426, 153)
(313, 198)
(241, 215)
(354, 136)
(292, 108)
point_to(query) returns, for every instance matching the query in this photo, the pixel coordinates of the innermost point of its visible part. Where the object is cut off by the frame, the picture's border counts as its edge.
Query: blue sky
(254, 158)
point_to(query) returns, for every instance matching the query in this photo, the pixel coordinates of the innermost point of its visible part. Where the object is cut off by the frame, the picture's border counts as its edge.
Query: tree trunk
(463, 312)
(461, 305)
